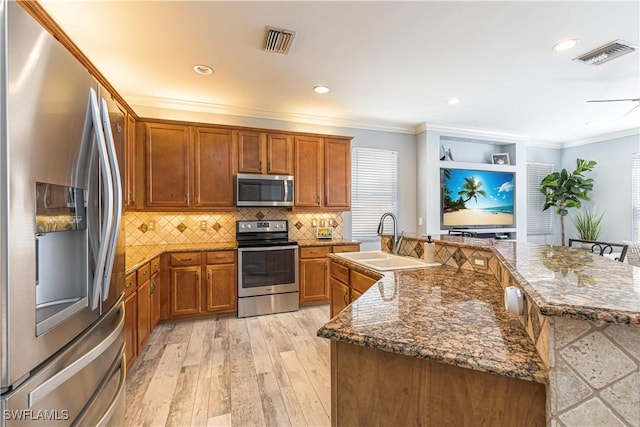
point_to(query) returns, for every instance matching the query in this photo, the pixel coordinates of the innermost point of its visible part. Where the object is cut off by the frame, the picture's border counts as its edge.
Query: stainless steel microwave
(264, 190)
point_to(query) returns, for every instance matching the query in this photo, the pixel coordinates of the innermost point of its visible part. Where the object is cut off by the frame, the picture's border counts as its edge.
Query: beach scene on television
(476, 198)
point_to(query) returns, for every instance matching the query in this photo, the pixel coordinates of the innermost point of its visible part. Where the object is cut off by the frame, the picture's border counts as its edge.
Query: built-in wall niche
(472, 150)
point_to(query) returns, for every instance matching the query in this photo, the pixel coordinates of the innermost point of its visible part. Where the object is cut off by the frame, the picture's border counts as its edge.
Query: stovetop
(263, 233)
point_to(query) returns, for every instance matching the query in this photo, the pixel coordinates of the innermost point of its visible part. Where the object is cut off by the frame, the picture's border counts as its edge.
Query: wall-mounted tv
(476, 198)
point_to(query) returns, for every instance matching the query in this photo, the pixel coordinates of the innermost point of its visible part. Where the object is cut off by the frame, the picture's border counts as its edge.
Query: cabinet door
(308, 171)
(130, 328)
(154, 303)
(279, 154)
(221, 287)
(143, 329)
(167, 149)
(185, 291)
(130, 164)
(339, 296)
(249, 152)
(214, 168)
(337, 173)
(313, 280)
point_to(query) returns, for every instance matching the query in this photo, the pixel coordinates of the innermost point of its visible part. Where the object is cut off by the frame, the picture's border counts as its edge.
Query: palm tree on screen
(471, 189)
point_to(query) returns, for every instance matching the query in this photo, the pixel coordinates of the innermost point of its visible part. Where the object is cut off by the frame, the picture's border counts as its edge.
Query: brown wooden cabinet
(144, 285)
(323, 173)
(220, 271)
(154, 293)
(185, 286)
(131, 319)
(214, 168)
(337, 173)
(130, 164)
(189, 167)
(265, 153)
(167, 166)
(313, 272)
(347, 285)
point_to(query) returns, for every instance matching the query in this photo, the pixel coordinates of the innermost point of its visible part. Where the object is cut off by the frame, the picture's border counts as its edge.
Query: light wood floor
(258, 371)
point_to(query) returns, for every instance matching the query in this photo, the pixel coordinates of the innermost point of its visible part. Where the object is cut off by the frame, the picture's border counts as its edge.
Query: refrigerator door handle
(105, 169)
(117, 186)
(104, 421)
(62, 376)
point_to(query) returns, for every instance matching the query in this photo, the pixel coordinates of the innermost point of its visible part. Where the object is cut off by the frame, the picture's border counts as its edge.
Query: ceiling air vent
(278, 41)
(606, 53)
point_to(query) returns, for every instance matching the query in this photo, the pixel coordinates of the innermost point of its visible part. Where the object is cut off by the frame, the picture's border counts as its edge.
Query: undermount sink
(383, 261)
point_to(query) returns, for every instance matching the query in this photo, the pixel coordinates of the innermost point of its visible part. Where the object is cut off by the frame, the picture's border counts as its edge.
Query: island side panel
(373, 387)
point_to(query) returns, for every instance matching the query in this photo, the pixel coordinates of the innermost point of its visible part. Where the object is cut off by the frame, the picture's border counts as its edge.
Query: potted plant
(564, 190)
(588, 223)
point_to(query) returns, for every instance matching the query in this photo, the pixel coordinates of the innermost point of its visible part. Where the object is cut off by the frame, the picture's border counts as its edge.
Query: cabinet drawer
(130, 283)
(144, 273)
(346, 248)
(155, 265)
(339, 272)
(314, 251)
(221, 257)
(185, 258)
(361, 282)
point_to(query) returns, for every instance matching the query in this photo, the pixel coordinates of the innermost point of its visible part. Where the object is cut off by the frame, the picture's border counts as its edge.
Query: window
(374, 188)
(635, 195)
(538, 222)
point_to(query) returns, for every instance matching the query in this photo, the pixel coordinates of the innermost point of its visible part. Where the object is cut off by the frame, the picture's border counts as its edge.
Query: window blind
(374, 188)
(635, 195)
(538, 222)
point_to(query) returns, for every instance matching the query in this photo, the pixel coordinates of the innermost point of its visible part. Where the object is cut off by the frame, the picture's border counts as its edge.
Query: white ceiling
(390, 65)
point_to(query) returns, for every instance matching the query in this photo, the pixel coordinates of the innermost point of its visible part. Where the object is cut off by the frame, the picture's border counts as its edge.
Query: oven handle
(267, 248)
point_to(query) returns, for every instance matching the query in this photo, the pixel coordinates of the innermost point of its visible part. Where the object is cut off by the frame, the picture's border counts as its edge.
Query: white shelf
(476, 166)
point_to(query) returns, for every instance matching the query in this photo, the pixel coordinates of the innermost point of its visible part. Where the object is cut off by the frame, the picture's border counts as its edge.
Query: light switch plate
(480, 262)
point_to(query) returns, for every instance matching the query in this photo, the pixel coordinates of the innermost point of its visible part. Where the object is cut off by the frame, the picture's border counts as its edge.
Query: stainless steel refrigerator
(61, 239)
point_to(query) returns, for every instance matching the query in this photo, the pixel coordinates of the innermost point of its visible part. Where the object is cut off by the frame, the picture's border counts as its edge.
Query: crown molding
(604, 137)
(226, 110)
(476, 132)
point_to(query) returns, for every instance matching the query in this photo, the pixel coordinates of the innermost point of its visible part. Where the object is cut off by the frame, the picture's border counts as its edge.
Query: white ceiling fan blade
(629, 112)
(615, 100)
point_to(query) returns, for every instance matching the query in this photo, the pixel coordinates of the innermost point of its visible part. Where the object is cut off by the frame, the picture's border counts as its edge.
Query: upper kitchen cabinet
(323, 173)
(167, 166)
(265, 153)
(130, 164)
(214, 152)
(337, 173)
(188, 167)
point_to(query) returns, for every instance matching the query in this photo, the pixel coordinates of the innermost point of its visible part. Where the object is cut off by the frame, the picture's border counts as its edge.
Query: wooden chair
(603, 248)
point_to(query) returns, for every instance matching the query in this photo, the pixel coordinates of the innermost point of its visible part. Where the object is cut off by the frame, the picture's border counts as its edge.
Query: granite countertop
(440, 314)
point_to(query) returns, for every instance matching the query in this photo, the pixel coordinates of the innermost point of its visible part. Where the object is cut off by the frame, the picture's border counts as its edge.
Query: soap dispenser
(429, 251)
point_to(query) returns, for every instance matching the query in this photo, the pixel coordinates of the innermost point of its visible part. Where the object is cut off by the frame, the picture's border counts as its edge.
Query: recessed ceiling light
(565, 45)
(453, 101)
(321, 89)
(205, 70)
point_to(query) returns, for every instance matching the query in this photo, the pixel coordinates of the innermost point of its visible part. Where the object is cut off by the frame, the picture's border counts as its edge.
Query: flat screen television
(476, 198)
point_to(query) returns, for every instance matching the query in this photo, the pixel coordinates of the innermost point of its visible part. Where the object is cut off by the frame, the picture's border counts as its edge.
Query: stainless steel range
(267, 268)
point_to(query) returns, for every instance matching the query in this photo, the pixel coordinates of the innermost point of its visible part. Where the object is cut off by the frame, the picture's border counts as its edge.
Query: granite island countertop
(443, 315)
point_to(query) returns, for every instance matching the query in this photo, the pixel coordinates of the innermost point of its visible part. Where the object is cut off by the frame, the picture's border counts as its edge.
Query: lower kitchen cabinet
(221, 281)
(154, 293)
(130, 319)
(143, 330)
(313, 275)
(186, 295)
(346, 286)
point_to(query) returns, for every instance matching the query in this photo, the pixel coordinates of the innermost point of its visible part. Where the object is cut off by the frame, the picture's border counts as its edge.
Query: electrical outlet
(151, 226)
(480, 262)
(314, 222)
(203, 225)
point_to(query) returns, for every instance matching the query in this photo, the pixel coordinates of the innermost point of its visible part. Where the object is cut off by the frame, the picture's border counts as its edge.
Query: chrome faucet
(396, 240)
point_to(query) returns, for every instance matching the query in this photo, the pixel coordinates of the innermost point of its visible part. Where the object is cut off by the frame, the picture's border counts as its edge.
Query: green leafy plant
(588, 224)
(564, 190)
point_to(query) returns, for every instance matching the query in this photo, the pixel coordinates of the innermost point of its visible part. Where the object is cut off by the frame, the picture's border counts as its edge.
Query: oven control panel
(262, 226)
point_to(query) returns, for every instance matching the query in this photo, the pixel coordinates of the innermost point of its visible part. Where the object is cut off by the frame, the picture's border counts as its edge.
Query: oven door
(267, 270)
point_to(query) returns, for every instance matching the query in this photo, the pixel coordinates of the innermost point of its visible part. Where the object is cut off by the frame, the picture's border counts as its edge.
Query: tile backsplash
(157, 228)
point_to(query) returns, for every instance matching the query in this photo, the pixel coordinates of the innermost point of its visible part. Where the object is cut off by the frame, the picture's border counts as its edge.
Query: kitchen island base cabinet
(373, 387)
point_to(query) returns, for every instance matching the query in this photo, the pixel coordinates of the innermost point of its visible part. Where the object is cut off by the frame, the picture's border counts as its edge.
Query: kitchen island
(435, 346)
